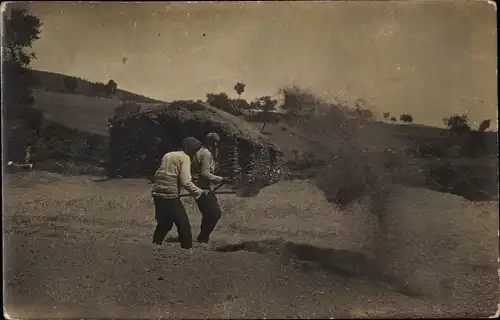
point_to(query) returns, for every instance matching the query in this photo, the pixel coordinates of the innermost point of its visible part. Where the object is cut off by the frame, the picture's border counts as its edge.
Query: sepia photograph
(250, 159)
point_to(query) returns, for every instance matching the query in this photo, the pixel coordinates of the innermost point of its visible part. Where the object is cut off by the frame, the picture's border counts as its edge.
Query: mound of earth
(139, 140)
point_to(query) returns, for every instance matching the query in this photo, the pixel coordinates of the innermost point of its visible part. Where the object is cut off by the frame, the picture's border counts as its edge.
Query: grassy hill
(79, 119)
(74, 133)
(81, 112)
(93, 113)
(414, 155)
(54, 82)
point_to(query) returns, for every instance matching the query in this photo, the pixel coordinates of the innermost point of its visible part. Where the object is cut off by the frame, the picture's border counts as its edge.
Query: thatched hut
(139, 140)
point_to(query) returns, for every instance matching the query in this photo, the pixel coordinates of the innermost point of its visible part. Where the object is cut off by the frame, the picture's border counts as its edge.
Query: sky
(427, 58)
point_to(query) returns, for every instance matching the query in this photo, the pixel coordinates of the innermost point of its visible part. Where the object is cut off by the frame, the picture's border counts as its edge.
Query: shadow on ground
(343, 263)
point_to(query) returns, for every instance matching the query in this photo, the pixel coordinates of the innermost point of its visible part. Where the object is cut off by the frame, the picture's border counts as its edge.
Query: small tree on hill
(386, 115)
(484, 125)
(255, 104)
(267, 105)
(457, 123)
(239, 87)
(406, 118)
(393, 119)
(111, 87)
(479, 142)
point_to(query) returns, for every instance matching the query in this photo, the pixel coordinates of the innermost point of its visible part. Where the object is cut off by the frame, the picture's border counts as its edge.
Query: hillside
(374, 136)
(414, 155)
(50, 81)
(377, 141)
(93, 112)
(85, 113)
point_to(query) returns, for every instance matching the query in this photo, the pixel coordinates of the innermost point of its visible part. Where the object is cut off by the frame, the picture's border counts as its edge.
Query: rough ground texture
(80, 247)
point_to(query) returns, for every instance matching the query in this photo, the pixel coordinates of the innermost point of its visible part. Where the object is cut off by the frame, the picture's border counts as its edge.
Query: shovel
(213, 191)
(251, 189)
(247, 191)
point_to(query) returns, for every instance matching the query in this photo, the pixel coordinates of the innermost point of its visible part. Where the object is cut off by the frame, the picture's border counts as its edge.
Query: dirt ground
(80, 247)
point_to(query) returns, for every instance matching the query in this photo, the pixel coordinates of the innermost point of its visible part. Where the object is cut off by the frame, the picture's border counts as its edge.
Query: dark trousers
(167, 213)
(210, 212)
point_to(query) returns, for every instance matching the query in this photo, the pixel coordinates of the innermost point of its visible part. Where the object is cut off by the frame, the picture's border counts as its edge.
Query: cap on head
(212, 137)
(191, 145)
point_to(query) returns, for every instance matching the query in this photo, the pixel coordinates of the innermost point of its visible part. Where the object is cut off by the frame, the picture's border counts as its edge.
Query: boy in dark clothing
(203, 173)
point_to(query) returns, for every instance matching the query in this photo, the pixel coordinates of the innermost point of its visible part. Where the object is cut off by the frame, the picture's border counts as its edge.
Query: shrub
(457, 123)
(406, 118)
(241, 104)
(222, 102)
(484, 125)
(59, 142)
(297, 102)
(111, 87)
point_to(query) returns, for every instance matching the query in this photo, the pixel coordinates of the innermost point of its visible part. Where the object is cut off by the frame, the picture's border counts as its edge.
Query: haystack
(139, 140)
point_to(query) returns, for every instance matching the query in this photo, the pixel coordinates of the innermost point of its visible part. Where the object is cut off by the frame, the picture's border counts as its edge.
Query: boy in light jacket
(174, 174)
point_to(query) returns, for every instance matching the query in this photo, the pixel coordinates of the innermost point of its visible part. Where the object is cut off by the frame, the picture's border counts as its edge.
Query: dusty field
(76, 247)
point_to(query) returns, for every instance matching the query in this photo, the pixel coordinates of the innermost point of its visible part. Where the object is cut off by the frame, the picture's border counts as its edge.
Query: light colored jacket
(174, 174)
(204, 168)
